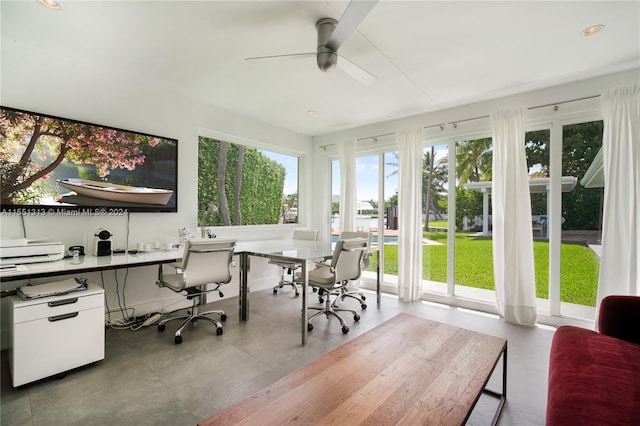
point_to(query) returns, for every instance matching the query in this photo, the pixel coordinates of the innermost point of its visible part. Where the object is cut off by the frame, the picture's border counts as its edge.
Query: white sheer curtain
(410, 214)
(348, 200)
(621, 222)
(512, 234)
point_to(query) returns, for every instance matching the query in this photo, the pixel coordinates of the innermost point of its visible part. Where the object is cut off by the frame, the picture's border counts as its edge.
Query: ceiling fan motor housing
(327, 57)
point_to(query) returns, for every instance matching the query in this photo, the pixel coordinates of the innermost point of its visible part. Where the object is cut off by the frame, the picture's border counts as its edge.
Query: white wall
(37, 81)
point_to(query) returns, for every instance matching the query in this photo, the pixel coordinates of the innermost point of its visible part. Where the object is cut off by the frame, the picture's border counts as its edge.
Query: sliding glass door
(376, 177)
(435, 217)
(456, 236)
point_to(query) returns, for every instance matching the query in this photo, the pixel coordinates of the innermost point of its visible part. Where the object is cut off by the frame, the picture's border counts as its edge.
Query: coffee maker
(102, 243)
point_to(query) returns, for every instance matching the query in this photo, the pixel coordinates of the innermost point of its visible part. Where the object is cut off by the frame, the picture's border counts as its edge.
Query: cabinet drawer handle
(62, 302)
(63, 317)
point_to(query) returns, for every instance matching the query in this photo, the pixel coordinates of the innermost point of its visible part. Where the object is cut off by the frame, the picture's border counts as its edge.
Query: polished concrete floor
(145, 379)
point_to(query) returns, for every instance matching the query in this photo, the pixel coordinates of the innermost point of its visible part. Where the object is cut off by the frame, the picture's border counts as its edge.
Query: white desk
(90, 263)
(303, 252)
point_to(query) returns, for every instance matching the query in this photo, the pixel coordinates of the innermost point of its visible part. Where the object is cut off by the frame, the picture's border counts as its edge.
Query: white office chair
(205, 261)
(346, 265)
(290, 268)
(345, 291)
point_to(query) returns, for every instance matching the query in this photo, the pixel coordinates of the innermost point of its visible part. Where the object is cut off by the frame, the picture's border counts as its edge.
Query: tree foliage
(34, 145)
(474, 161)
(259, 195)
(434, 182)
(580, 143)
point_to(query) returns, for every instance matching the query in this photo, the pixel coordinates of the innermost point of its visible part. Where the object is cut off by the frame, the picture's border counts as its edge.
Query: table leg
(378, 280)
(305, 280)
(244, 286)
(502, 397)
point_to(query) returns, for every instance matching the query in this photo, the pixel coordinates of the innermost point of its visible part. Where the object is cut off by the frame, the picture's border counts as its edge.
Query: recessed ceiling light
(595, 29)
(311, 112)
(51, 4)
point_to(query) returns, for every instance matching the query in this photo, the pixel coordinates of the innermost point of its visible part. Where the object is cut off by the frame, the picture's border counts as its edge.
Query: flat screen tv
(61, 166)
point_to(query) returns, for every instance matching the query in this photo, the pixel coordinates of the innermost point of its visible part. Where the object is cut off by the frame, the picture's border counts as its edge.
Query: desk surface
(288, 249)
(90, 263)
(297, 250)
(407, 370)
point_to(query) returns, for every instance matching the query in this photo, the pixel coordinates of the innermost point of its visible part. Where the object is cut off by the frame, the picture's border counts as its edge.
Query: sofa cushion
(620, 317)
(594, 379)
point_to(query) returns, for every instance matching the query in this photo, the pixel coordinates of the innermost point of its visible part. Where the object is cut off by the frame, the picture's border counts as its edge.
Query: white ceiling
(427, 55)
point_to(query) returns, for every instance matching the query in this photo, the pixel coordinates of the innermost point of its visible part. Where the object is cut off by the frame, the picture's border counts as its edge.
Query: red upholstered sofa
(594, 377)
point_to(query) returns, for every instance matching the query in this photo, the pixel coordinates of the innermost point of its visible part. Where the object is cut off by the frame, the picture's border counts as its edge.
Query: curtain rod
(455, 123)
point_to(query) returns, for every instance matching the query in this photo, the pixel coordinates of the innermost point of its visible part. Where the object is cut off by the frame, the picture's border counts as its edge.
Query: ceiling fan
(331, 35)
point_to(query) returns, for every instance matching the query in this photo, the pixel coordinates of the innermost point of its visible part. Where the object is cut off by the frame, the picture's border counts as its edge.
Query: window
(244, 185)
(473, 245)
(581, 220)
(368, 179)
(435, 182)
(538, 163)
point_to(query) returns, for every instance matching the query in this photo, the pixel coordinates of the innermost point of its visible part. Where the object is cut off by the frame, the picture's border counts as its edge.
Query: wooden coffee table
(406, 371)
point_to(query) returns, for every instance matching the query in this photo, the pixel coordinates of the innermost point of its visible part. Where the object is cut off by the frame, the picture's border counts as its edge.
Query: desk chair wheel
(363, 306)
(345, 329)
(161, 327)
(177, 340)
(309, 327)
(356, 317)
(219, 331)
(223, 317)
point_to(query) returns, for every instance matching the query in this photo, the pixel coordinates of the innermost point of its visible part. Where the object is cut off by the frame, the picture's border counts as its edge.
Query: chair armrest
(322, 265)
(619, 317)
(177, 267)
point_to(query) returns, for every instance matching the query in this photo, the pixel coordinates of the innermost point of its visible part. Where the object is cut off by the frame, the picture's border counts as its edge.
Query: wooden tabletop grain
(407, 371)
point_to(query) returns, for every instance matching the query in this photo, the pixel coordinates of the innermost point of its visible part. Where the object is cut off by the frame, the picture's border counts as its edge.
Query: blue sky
(367, 177)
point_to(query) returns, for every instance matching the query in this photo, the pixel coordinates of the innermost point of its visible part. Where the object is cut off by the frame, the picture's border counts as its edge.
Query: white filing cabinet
(55, 334)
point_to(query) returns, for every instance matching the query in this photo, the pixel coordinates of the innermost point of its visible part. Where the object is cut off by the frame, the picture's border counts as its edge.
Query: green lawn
(474, 266)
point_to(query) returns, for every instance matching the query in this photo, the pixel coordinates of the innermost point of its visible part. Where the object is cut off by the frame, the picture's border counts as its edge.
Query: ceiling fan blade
(356, 11)
(360, 74)
(287, 56)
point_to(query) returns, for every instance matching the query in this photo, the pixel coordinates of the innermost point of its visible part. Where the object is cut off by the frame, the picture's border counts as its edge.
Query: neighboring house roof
(536, 185)
(594, 176)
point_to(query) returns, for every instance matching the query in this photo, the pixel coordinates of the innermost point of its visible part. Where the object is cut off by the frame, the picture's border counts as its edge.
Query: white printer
(22, 250)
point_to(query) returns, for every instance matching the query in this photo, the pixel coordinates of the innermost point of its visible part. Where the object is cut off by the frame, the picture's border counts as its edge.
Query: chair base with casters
(331, 309)
(290, 269)
(193, 315)
(344, 293)
(354, 294)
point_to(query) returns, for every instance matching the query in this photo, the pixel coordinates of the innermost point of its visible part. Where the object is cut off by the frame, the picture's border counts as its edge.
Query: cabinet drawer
(51, 308)
(42, 348)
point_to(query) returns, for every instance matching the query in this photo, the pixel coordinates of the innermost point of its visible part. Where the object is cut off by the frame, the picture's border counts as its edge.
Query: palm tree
(473, 161)
(435, 172)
